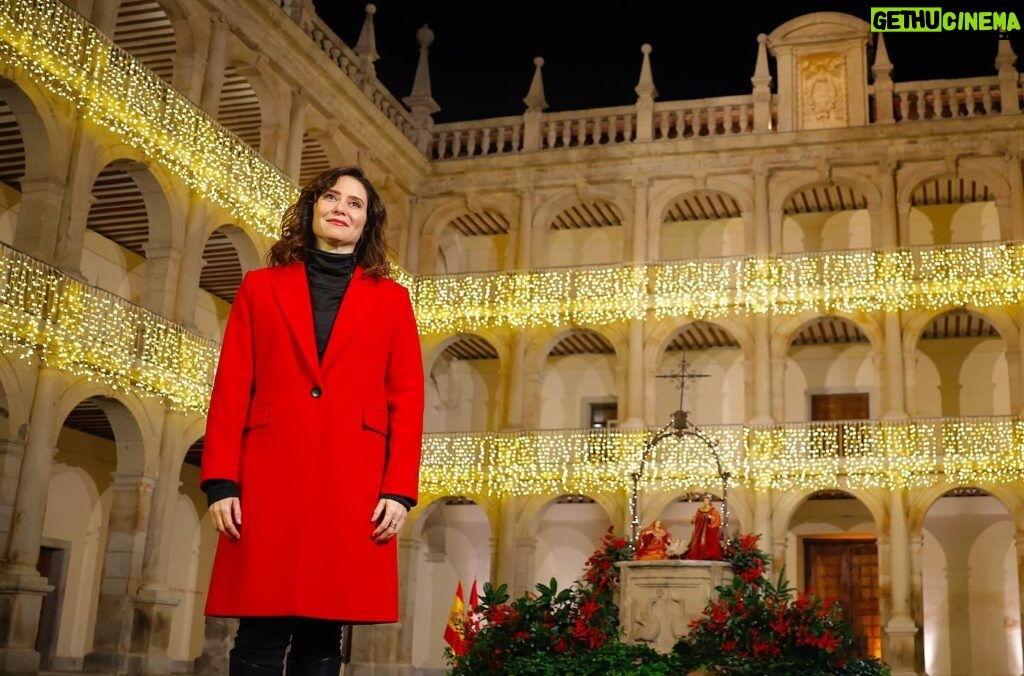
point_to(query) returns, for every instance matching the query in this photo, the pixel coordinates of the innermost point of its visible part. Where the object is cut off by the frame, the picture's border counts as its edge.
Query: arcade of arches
(118, 270)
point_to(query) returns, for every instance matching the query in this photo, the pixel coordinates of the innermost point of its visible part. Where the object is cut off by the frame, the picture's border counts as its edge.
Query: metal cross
(683, 375)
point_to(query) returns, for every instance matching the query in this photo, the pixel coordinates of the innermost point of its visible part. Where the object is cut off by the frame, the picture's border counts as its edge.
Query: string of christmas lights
(67, 325)
(85, 331)
(859, 455)
(74, 60)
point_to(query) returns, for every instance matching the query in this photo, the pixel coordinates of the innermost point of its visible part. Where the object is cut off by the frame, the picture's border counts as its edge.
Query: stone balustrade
(855, 454)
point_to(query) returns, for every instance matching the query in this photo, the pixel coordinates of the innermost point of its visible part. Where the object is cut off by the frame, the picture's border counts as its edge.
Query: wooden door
(848, 570)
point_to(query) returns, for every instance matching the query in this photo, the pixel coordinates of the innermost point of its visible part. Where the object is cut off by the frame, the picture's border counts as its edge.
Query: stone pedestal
(659, 599)
(151, 631)
(21, 596)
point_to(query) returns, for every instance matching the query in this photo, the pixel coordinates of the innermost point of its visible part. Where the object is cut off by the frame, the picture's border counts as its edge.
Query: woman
(314, 435)
(706, 540)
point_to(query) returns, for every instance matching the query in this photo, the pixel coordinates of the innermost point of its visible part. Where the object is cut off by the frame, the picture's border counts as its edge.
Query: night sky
(481, 61)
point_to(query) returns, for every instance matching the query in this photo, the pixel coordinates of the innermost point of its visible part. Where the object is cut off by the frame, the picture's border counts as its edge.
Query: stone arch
(784, 333)
(243, 108)
(434, 351)
(534, 507)
(493, 214)
(615, 209)
(938, 192)
(917, 322)
(812, 206)
(34, 128)
(789, 502)
(709, 339)
(463, 387)
(700, 224)
(30, 209)
(946, 370)
(920, 501)
(136, 432)
(228, 254)
(143, 28)
(541, 344)
(76, 513)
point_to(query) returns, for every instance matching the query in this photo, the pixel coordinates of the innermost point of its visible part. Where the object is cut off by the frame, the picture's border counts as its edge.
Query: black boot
(240, 667)
(301, 665)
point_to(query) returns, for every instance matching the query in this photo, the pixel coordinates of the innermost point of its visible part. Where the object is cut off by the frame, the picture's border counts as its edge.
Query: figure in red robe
(706, 541)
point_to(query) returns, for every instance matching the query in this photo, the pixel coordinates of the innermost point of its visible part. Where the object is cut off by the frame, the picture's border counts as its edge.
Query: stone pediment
(822, 71)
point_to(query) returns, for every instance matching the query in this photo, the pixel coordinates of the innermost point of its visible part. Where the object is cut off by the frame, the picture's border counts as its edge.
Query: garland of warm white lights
(74, 60)
(85, 331)
(859, 455)
(82, 330)
(986, 275)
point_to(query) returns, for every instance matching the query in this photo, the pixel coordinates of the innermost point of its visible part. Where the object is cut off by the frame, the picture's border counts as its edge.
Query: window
(852, 406)
(603, 415)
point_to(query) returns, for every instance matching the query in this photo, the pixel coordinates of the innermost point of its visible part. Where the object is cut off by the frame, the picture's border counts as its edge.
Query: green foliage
(545, 624)
(755, 626)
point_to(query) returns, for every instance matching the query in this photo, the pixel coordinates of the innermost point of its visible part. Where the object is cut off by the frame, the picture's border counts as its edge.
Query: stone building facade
(837, 252)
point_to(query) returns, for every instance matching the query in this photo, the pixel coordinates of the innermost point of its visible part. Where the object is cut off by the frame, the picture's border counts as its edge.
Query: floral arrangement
(753, 627)
(573, 630)
(756, 627)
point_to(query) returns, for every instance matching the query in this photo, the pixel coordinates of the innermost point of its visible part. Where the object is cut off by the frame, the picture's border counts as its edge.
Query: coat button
(315, 392)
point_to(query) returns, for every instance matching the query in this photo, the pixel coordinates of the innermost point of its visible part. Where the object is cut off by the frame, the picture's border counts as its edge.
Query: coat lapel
(354, 306)
(292, 294)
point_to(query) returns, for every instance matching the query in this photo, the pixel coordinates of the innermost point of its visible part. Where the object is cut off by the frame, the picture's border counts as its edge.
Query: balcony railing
(850, 455)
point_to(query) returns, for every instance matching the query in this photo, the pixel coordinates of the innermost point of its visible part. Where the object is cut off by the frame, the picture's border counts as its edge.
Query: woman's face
(339, 216)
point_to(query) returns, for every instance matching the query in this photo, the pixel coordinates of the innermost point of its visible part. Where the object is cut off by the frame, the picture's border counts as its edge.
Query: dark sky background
(481, 62)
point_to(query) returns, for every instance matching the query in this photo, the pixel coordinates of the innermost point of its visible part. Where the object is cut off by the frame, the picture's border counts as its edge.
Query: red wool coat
(312, 447)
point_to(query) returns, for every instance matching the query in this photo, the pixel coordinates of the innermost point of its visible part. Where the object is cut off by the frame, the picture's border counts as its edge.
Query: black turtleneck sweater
(329, 275)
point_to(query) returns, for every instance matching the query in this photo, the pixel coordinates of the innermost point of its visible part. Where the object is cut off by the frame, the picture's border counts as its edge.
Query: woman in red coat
(312, 447)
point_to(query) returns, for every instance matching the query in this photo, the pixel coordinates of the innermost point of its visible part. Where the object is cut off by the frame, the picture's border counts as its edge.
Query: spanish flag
(453, 634)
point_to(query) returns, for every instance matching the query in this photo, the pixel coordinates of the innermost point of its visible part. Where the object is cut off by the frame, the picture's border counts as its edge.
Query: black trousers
(264, 640)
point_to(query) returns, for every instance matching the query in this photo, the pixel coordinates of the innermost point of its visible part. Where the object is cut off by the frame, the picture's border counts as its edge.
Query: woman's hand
(227, 517)
(389, 516)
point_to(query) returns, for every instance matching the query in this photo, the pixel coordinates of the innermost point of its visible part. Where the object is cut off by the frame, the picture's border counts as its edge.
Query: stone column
(163, 263)
(778, 391)
(37, 232)
(191, 263)
(634, 404)
(525, 565)
(524, 241)
(154, 603)
(387, 648)
(218, 640)
(296, 132)
(21, 586)
(216, 63)
(515, 379)
(1018, 542)
(122, 572)
(901, 631)
(77, 202)
(892, 369)
(917, 596)
(104, 16)
(762, 219)
(1015, 177)
(12, 451)
(761, 372)
(189, 66)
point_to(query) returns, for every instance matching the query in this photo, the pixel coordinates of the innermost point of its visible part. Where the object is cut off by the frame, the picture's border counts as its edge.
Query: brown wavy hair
(372, 250)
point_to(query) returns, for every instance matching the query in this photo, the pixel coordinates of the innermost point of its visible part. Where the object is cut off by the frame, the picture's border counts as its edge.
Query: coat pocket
(376, 419)
(258, 417)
